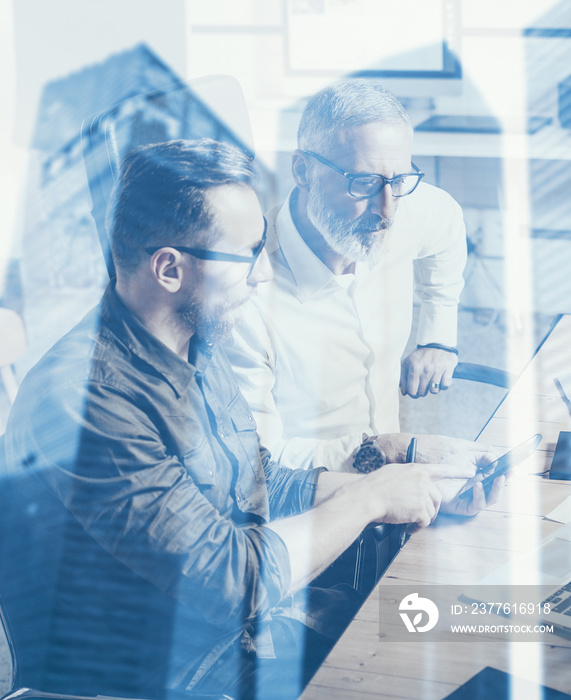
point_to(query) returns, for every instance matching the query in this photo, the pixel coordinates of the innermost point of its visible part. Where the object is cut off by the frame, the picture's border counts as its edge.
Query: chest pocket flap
(200, 464)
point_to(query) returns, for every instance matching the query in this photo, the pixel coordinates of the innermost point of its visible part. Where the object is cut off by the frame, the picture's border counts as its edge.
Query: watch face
(369, 457)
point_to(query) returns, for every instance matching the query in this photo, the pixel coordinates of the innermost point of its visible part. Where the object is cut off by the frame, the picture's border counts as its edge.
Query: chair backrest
(213, 106)
(4, 623)
(12, 346)
(8, 674)
(486, 375)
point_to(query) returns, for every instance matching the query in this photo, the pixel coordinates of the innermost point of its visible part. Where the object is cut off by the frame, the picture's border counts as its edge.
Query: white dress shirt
(318, 355)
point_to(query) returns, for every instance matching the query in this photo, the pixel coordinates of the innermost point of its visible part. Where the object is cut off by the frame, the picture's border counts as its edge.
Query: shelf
(550, 143)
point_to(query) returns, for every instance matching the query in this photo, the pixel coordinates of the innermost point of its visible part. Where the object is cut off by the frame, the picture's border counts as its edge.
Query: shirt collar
(310, 273)
(126, 327)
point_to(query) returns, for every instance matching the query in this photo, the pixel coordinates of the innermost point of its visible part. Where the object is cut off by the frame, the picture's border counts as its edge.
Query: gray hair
(345, 104)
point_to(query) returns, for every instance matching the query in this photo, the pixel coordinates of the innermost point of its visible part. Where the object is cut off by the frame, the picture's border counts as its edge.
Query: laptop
(545, 571)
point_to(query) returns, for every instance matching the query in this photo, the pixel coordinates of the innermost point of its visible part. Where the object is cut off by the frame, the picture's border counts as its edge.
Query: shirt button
(210, 472)
(250, 419)
(222, 434)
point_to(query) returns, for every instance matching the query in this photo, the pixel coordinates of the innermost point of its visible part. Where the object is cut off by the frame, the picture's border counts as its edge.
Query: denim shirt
(158, 460)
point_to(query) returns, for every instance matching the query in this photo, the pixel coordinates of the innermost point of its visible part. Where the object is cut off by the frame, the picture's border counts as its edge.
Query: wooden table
(462, 551)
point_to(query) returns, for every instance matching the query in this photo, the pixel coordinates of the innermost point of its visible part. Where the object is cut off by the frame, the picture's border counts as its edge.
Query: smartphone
(504, 464)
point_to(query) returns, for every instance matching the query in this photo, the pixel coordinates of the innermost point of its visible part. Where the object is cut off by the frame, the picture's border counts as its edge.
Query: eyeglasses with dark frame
(203, 254)
(364, 185)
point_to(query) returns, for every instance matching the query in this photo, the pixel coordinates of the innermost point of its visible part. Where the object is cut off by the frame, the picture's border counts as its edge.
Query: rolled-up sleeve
(290, 491)
(439, 271)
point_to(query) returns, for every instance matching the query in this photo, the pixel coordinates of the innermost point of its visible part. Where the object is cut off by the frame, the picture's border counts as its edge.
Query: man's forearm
(330, 482)
(347, 503)
(317, 537)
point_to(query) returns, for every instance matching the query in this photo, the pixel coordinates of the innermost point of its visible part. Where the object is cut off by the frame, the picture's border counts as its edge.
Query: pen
(410, 457)
(563, 394)
(411, 452)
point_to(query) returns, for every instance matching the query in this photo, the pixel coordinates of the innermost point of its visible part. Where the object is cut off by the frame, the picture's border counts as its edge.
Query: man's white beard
(356, 240)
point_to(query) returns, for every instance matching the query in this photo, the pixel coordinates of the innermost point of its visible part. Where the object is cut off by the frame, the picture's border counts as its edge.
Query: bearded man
(177, 554)
(318, 354)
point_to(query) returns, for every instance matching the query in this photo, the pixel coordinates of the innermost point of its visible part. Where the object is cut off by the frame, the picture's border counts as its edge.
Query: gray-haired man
(185, 550)
(318, 355)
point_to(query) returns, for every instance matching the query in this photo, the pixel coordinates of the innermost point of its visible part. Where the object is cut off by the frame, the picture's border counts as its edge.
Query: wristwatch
(369, 456)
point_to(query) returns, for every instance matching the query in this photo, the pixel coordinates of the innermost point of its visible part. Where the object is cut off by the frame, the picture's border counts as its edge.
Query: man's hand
(437, 449)
(409, 493)
(452, 505)
(466, 463)
(403, 494)
(427, 370)
(472, 504)
(347, 503)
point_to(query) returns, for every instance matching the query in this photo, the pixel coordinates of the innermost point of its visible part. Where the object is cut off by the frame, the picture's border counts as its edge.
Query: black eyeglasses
(363, 185)
(202, 254)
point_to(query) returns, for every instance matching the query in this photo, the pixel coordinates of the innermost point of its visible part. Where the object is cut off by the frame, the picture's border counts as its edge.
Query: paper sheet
(561, 514)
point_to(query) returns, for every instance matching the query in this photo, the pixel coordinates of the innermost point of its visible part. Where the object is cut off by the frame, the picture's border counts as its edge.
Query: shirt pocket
(200, 464)
(245, 428)
(250, 489)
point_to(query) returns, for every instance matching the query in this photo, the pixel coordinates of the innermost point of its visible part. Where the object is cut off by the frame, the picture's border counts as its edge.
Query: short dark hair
(159, 197)
(347, 103)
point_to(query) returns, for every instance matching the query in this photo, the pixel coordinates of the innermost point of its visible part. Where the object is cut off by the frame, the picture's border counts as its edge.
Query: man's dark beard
(212, 325)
